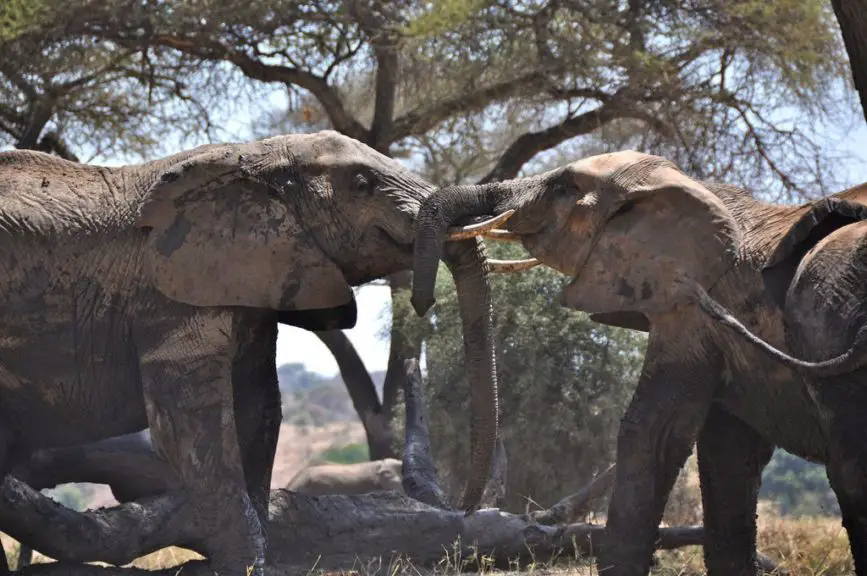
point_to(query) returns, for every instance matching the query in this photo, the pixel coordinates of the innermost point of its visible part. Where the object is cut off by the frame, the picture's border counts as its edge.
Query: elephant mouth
(387, 254)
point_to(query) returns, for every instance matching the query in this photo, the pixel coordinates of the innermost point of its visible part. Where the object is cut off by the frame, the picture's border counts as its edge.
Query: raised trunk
(467, 262)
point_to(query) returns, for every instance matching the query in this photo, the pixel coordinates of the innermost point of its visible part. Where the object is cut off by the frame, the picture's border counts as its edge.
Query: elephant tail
(854, 358)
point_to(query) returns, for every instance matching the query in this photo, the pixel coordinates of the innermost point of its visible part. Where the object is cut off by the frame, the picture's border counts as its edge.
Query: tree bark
(359, 384)
(400, 349)
(852, 18)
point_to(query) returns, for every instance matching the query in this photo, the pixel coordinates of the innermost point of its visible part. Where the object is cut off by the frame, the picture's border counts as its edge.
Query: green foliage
(799, 487)
(346, 454)
(564, 382)
(70, 495)
(441, 16)
(20, 16)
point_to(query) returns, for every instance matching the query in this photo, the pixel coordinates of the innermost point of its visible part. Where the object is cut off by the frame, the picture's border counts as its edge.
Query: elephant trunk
(467, 262)
(435, 216)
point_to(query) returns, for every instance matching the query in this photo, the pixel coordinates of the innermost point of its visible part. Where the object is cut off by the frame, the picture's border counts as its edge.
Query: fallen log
(335, 532)
(329, 532)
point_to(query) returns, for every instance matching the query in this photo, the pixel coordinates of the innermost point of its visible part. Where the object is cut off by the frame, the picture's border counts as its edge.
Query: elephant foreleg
(258, 411)
(187, 384)
(655, 439)
(731, 457)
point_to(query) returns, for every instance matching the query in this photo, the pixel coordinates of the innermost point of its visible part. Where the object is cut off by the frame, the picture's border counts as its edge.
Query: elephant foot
(234, 548)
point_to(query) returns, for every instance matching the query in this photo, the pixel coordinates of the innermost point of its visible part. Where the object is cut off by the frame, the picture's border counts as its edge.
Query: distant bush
(70, 495)
(798, 487)
(346, 454)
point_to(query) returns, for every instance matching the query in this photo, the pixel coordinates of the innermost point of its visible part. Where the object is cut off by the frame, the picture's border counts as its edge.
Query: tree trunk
(362, 391)
(401, 348)
(852, 18)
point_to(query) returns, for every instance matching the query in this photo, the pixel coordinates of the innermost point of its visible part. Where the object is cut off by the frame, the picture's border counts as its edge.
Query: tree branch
(425, 117)
(384, 49)
(526, 146)
(51, 142)
(216, 51)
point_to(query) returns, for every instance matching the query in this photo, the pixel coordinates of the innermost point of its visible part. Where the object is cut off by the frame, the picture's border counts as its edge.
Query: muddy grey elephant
(355, 478)
(755, 314)
(148, 296)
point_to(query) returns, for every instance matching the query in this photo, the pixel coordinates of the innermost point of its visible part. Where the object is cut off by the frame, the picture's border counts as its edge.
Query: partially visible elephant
(128, 464)
(357, 478)
(148, 296)
(742, 299)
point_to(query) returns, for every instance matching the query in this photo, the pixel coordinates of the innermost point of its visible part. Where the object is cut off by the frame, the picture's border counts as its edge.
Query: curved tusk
(504, 266)
(504, 235)
(472, 230)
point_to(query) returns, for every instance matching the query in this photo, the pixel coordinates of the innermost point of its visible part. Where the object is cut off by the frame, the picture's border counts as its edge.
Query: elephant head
(638, 237)
(290, 223)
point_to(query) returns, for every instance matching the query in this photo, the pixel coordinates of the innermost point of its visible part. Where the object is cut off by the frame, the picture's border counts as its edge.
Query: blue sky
(295, 345)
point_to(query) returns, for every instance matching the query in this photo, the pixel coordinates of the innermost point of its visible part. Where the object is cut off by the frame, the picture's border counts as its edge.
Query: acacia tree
(465, 91)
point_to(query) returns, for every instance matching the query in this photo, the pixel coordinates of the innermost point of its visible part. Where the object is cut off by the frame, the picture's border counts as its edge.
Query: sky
(296, 345)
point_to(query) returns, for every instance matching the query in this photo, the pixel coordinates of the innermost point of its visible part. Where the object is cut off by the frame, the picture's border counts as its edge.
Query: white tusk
(505, 266)
(472, 230)
(504, 235)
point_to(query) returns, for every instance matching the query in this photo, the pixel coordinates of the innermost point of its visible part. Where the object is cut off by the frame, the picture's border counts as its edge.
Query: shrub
(346, 454)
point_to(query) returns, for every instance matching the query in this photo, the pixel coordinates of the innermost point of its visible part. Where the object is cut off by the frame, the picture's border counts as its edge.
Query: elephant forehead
(604, 166)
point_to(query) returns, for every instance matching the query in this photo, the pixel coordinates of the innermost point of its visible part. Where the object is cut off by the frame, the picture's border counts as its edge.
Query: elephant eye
(559, 188)
(363, 183)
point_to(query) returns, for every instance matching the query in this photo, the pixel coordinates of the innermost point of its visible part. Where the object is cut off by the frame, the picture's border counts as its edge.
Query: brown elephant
(729, 289)
(148, 296)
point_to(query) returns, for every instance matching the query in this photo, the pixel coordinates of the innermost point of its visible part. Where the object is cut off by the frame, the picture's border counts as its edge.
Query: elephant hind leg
(844, 399)
(848, 481)
(847, 473)
(731, 457)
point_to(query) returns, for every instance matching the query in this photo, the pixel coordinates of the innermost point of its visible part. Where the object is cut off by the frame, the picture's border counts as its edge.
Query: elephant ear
(807, 226)
(623, 319)
(663, 228)
(218, 236)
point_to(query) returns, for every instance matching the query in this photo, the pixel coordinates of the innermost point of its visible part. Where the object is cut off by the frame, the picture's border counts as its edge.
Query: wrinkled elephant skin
(148, 296)
(756, 316)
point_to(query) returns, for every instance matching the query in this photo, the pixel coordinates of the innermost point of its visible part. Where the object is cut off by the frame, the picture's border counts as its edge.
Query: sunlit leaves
(20, 16)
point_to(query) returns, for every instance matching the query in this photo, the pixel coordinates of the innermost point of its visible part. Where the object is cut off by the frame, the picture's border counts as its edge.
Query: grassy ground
(804, 547)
